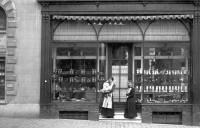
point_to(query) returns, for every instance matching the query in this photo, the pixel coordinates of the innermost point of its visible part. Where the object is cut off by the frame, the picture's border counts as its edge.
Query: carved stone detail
(45, 17)
(9, 7)
(45, 4)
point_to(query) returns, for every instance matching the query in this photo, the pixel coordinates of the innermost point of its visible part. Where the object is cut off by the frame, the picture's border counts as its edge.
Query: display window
(75, 72)
(162, 74)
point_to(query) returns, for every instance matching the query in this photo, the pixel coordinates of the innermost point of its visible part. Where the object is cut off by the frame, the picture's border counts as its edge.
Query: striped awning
(121, 18)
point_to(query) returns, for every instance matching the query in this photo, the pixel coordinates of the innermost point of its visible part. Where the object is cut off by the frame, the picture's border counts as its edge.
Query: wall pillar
(45, 89)
(195, 67)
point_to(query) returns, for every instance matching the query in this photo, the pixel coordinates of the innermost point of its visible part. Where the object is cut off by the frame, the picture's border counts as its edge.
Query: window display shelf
(163, 75)
(74, 80)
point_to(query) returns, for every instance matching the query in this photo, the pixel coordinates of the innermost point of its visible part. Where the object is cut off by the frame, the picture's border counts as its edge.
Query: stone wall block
(10, 84)
(11, 51)
(11, 93)
(11, 42)
(11, 14)
(4, 2)
(11, 32)
(10, 68)
(12, 24)
(11, 60)
(10, 7)
(11, 77)
(2, 50)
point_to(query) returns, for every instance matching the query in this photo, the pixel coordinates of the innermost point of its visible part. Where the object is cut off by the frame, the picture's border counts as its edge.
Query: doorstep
(119, 116)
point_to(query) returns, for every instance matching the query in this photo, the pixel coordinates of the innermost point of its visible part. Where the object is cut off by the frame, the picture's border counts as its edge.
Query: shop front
(81, 50)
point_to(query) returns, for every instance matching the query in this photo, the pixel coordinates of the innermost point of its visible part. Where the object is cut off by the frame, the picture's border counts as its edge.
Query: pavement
(69, 123)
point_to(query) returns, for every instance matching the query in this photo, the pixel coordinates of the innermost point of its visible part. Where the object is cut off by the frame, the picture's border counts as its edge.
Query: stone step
(119, 116)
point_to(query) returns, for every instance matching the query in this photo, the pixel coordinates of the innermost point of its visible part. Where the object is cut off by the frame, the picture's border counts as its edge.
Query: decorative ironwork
(121, 18)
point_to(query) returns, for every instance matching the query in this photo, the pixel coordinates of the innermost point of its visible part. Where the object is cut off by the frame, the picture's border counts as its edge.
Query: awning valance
(121, 18)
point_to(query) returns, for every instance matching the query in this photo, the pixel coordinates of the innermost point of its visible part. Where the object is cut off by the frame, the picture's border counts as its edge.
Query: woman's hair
(130, 84)
(111, 78)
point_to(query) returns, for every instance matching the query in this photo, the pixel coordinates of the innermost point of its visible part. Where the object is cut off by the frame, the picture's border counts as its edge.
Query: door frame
(130, 61)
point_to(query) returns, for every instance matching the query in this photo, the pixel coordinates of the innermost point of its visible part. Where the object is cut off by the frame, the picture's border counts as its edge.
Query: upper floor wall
(119, 7)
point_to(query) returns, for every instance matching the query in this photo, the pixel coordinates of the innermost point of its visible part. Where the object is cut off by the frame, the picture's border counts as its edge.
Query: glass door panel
(120, 71)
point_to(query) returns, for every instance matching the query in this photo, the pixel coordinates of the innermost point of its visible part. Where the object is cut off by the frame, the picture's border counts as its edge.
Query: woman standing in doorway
(130, 107)
(107, 109)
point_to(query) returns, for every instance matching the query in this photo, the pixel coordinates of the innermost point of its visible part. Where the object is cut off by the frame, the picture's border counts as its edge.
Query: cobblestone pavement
(65, 123)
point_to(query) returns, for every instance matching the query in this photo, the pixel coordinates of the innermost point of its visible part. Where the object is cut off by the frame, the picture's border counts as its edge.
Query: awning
(121, 18)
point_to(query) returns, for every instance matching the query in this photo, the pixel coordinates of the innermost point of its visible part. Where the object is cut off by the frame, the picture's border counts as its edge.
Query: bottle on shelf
(71, 71)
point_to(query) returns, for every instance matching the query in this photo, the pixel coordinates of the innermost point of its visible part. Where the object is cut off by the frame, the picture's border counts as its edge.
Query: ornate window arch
(2, 19)
(167, 30)
(8, 46)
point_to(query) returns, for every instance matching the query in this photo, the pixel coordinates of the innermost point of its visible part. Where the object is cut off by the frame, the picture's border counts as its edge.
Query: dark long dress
(130, 107)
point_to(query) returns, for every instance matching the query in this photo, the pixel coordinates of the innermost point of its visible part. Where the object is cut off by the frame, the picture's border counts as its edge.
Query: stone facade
(22, 49)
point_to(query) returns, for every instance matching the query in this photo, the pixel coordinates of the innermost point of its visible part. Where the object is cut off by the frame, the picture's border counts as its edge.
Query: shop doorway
(120, 63)
(120, 67)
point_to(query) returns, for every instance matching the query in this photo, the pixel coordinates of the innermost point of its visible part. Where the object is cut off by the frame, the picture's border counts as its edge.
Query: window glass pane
(120, 70)
(63, 51)
(89, 51)
(166, 74)
(164, 51)
(77, 51)
(137, 51)
(74, 78)
(65, 65)
(120, 52)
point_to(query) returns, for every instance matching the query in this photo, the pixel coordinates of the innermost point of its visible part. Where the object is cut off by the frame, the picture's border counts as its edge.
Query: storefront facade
(154, 45)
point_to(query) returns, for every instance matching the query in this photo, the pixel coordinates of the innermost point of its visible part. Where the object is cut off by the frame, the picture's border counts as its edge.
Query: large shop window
(75, 73)
(162, 73)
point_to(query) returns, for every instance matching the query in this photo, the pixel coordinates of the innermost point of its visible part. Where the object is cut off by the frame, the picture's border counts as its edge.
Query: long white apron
(107, 101)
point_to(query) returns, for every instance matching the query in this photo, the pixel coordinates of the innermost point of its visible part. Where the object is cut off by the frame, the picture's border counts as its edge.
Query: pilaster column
(45, 87)
(195, 50)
